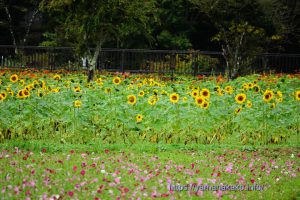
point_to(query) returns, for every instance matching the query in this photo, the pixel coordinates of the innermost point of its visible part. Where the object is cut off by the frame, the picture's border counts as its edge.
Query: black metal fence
(143, 61)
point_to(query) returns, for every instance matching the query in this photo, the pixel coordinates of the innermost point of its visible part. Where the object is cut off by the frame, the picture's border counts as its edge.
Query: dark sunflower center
(267, 96)
(240, 98)
(131, 99)
(174, 97)
(205, 93)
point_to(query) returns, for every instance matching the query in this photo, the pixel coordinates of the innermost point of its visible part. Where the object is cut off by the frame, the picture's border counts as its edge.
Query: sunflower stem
(74, 123)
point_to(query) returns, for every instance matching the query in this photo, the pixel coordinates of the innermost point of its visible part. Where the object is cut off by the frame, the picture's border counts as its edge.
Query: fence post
(173, 64)
(194, 63)
(122, 60)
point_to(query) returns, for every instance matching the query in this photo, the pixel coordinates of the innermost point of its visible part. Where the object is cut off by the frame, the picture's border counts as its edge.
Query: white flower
(292, 156)
(102, 171)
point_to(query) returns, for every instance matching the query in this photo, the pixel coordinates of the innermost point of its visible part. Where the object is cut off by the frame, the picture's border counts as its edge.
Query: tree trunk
(11, 30)
(92, 69)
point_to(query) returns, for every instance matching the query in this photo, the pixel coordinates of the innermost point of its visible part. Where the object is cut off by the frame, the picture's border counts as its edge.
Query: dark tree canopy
(273, 25)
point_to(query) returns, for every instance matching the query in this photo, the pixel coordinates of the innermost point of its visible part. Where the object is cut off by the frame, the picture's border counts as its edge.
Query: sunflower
(297, 95)
(26, 93)
(279, 100)
(245, 86)
(152, 100)
(220, 92)
(139, 118)
(20, 94)
(57, 77)
(77, 104)
(279, 94)
(238, 110)
(107, 90)
(174, 98)
(131, 99)
(268, 96)
(11, 92)
(1, 97)
(39, 93)
(163, 92)
(76, 89)
(195, 93)
(217, 88)
(205, 104)
(256, 88)
(55, 90)
(35, 82)
(4, 95)
(184, 99)
(14, 78)
(205, 93)
(229, 89)
(44, 87)
(249, 104)
(240, 98)
(27, 88)
(99, 81)
(117, 80)
(250, 85)
(141, 93)
(199, 101)
(22, 82)
(273, 105)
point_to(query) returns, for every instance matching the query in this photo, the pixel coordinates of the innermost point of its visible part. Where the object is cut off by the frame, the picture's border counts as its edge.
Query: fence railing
(140, 60)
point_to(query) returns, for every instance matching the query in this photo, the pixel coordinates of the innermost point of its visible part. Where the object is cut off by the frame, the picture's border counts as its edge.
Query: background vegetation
(232, 25)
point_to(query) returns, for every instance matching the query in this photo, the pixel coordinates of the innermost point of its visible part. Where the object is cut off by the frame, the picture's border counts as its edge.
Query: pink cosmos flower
(193, 165)
(229, 167)
(117, 180)
(70, 193)
(74, 168)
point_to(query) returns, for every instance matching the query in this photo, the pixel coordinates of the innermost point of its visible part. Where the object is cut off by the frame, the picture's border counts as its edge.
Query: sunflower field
(131, 108)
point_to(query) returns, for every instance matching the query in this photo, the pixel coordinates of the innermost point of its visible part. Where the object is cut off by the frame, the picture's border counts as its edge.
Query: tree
(19, 19)
(94, 22)
(245, 28)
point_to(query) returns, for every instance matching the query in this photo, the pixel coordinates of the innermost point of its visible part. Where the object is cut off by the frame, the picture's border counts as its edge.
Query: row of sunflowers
(256, 109)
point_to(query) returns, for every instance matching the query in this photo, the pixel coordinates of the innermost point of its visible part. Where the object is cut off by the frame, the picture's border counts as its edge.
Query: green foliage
(94, 23)
(169, 41)
(245, 28)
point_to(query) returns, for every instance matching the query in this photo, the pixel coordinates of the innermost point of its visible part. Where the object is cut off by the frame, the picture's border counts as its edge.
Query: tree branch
(11, 30)
(36, 11)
